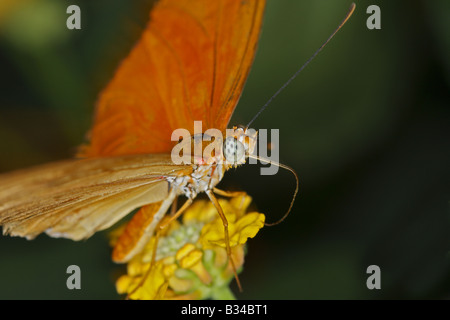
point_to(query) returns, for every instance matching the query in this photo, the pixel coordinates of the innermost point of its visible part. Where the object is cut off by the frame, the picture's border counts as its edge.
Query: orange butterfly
(190, 63)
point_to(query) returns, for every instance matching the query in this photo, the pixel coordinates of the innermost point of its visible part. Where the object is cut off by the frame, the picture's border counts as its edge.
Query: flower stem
(223, 293)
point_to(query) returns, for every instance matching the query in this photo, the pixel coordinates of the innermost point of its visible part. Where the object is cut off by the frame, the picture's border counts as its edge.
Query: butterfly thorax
(203, 177)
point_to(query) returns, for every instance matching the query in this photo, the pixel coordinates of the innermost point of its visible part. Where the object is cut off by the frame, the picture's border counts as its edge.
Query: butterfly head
(239, 145)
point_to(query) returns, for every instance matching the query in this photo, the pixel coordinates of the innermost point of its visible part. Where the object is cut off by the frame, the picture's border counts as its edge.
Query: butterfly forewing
(190, 64)
(75, 198)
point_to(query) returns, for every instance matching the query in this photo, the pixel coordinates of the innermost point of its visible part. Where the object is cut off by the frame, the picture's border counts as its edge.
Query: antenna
(350, 12)
(297, 182)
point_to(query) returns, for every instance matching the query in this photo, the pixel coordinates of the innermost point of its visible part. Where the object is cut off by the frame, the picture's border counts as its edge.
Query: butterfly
(190, 64)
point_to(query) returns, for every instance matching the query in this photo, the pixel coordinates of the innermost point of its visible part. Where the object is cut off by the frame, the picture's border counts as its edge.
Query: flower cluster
(191, 260)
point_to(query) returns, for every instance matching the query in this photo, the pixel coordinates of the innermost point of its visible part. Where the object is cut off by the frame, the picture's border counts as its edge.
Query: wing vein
(216, 35)
(241, 65)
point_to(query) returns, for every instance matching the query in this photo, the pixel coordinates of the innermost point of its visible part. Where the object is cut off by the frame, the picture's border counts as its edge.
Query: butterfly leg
(216, 204)
(152, 263)
(173, 208)
(174, 216)
(231, 194)
(159, 229)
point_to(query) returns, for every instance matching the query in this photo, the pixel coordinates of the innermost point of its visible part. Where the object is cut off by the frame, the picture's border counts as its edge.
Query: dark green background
(366, 126)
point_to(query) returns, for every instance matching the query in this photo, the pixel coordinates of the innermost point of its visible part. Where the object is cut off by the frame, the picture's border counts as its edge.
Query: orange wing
(76, 198)
(190, 63)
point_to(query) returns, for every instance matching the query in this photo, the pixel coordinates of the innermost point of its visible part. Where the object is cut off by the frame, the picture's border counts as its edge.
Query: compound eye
(234, 150)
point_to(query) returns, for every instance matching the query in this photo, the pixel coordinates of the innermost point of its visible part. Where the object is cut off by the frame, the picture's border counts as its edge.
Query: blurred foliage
(366, 126)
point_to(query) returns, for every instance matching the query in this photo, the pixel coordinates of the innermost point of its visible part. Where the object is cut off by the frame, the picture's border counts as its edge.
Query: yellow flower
(191, 260)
